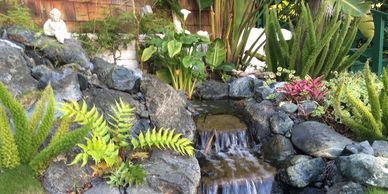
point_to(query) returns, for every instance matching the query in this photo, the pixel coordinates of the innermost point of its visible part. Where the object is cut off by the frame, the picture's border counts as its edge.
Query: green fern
(126, 175)
(163, 139)
(9, 155)
(82, 116)
(122, 121)
(99, 150)
(62, 130)
(368, 122)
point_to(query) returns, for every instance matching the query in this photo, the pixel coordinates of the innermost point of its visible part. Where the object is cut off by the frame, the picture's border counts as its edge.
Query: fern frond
(40, 134)
(168, 139)
(372, 93)
(122, 122)
(384, 102)
(82, 116)
(9, 155)
(127, 175)
(58, 147)
(23, 135)
(62, 130)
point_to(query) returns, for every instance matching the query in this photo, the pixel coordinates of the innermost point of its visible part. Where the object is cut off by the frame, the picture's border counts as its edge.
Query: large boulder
(241, 87)
(380, 148)
(304, 172)
(14, 71)
(101, 68)
(212, 90)
(61, 54)
(280, 123)
(258, 118)
(346, 188)
(60, 178)
(166, 107)
(21, 35)
(364, 169)
(278, 149)
(123, 79)
(318, 139)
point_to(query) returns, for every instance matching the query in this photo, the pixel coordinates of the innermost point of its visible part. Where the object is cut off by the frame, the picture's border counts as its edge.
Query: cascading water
(227, 166)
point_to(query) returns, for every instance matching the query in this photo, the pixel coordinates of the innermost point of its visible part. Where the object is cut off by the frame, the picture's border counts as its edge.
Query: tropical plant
(179, 58)
(319, 46)
(164, 139)
(366, 122)
(22, 147)
(306, 89)
(127, 174)
(14, 12)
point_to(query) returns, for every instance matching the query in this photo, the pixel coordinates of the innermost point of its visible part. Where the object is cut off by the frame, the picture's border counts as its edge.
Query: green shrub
(19, 180)
(319, 44)
(15, 13)
(367, 122)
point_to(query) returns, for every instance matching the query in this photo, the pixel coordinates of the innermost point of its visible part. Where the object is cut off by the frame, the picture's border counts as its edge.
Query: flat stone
(221, 123)
(21, 35)
(123, 79)
(364, 169)
(288, 107)
(380, 148)
(346, 188)
(241, 88)
(212, 90)
(319, 140)
(358, 148)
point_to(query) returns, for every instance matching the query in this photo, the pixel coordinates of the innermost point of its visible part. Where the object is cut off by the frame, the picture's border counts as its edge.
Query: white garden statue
(56, 27)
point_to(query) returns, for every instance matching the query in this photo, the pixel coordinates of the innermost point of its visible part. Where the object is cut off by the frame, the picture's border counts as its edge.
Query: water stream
(227, 164)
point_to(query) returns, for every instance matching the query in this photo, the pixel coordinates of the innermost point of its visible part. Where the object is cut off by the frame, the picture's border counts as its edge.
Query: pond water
(228, 165)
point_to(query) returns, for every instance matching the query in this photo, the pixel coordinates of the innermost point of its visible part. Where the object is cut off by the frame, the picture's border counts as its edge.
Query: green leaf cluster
(15, 13)
(127, 174)
(22, 147)
(366, 122)
(164, 139)
(319, 44)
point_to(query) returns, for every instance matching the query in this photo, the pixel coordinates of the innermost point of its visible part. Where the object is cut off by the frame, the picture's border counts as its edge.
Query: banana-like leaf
(216, 54)
(367, 26)
(355, 8)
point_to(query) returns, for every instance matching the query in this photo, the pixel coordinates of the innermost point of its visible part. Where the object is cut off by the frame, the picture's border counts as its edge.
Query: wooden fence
(76, 12)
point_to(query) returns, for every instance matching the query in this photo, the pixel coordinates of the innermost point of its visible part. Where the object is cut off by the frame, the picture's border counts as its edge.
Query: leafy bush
(319, 44)
(22, 147)
(15, 13)
(367, 122)
(306, 89)
(127, 174)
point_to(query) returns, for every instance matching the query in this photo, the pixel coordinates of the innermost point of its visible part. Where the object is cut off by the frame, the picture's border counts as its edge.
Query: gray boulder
(380, 148)
(280, 123)
(61, 54)
(241, 87)
(123, 79)
(288, 107)
(304, 172)
(166, 107)
(212, 90)
(364, 169)
(263, 92)
(14, 71)
(317, 139)
(60, 178)
(21, 35)
(101, 68)
(309, 106)
(278, 149)
(358, 148)
(40, 71)
(346, 188)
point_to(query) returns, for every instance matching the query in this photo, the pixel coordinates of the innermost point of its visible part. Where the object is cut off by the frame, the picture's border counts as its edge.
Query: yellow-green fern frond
(372, 93)
(62, 130)
(122, 119)
(83, 116)
(384, 102)
(9, 155)
(40, 134)
(23, 135)
(163, 139)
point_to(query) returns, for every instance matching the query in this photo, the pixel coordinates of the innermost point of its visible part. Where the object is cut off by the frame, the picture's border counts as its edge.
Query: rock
(280, 123)
(357, 148)
(167, 109)
(4, 42)
(306, 190)
(346, 188)
(257, 118)
(14, 71)
(309, 106)
(61, 54)
(364, 169)
(241, 88)
(317, 139)
(103, 188)
(21, 35)
(276, 85)
(62, 178)
(123, 79)
(167, 173)
(380, 148)
(299, 158)
(102, 68)
(278, 149)
(263, 93)
(40, 71)
(288, 107)
(304, 172)
(65, 84)
(83, 81)
(212, 90)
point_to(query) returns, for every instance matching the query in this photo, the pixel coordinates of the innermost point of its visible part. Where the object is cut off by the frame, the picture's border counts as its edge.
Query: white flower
(187, 32)
(203, 33)
(185, 13)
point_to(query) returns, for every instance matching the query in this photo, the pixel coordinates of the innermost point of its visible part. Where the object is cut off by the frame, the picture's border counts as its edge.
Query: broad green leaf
(367, 27)
(355, 8)
(187, 61)
(164, 75)
(203, 4)
(174, 47)
(147, 53)
(189, 39)
(216, 54)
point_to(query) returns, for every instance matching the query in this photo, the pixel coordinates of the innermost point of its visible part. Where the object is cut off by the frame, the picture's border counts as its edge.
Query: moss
(20, 180)
(374, 190)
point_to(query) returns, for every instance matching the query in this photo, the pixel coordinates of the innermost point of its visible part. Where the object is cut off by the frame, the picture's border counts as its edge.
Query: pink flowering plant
(306, 89)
